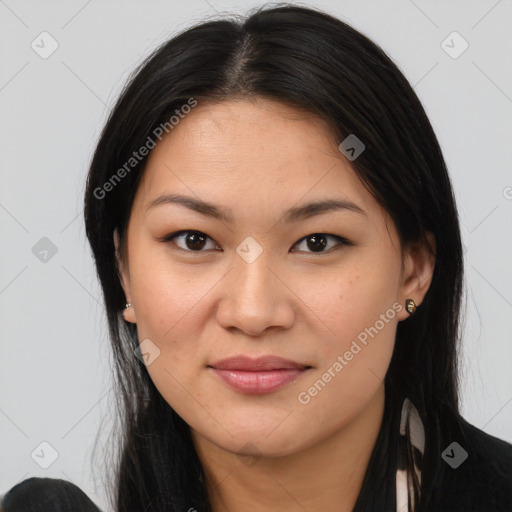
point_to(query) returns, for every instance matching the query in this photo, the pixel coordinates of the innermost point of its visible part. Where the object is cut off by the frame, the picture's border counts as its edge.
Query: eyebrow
(295, 214)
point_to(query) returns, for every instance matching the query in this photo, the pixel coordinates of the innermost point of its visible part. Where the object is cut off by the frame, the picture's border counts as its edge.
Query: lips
(259, 364)
(257, 376)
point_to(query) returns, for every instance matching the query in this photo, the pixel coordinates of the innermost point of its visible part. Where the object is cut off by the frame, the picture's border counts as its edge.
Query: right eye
(192, 241)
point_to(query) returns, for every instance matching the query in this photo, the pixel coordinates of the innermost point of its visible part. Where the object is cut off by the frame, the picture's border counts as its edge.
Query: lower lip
(258, 382)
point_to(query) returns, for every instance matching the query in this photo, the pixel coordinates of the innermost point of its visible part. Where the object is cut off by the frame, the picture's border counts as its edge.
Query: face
(260, 275)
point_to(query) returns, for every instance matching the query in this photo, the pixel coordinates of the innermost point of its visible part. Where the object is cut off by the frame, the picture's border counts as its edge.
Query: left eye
(195, 241)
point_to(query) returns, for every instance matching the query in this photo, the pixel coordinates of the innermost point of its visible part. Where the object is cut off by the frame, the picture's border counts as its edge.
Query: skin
(257, 159)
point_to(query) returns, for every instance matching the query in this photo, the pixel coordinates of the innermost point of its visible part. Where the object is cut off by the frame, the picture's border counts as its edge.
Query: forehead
(258, 151)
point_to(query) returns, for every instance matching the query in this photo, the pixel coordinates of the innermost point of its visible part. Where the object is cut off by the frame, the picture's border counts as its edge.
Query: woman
(269, 209)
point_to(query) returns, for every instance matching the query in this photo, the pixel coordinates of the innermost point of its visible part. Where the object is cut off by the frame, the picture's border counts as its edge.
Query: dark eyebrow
(292, 215)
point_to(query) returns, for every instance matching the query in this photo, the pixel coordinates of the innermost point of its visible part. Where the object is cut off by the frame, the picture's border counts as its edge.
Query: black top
(482, 483)
(45, 495)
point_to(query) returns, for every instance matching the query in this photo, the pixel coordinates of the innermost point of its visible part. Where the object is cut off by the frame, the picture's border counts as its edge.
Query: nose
(255, 298)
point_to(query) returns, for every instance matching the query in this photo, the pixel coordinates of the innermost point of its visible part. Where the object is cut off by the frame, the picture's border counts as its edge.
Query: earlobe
(129, 313)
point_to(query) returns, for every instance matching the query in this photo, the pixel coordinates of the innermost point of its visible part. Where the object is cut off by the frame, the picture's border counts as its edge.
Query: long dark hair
(310, 60)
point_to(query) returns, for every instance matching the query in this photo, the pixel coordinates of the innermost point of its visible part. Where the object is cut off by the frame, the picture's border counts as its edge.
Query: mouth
(264, 363)
(258, 376)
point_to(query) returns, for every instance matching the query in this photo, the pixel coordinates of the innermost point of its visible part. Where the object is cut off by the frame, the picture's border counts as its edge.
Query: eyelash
(169, 238)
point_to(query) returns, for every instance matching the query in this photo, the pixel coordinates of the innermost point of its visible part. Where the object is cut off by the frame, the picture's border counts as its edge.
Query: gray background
(55, 358)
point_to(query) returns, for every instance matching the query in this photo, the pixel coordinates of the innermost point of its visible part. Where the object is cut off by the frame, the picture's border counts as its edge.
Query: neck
(324, 477)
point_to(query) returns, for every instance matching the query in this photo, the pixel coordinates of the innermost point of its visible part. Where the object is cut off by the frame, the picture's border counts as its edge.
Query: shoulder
(487, 445)
(491, 459)
(475, 472)
(46, 494)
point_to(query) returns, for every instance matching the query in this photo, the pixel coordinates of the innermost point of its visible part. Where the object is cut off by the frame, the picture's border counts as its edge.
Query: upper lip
(246, 363)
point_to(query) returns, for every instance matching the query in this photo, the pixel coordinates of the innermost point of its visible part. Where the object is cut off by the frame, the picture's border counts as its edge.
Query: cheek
(169, 302)
(346, 301)
(167, 294)
(355, 355)
(357, 310)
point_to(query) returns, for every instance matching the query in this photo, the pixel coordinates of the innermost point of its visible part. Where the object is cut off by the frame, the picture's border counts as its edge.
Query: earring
(410, 305)
(128, 305)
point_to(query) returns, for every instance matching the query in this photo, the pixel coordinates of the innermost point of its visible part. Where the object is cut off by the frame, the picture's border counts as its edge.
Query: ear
(418, 270)
(124, 276)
